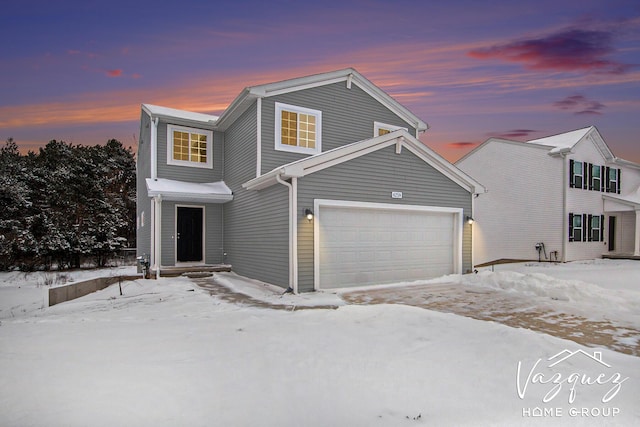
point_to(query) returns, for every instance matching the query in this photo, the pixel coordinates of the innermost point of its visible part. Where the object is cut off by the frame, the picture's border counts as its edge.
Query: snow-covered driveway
(512, 309)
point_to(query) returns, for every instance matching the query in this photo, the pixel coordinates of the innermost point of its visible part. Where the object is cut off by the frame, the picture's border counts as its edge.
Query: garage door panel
(366, 246)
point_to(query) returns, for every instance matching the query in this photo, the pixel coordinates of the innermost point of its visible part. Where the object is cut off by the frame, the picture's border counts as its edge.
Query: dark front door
(189, 234)
(612, 233)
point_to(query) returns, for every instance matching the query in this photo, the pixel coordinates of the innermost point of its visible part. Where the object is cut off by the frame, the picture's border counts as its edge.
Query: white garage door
(368, 246)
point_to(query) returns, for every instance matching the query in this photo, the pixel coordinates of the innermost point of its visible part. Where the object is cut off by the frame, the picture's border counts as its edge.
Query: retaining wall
(80, 289)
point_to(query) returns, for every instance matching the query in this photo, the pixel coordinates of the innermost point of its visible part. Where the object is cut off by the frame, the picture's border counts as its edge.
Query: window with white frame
(595, 181)
(298, 129)
(383, 128)
(595, 228)
(575, 228)
(189, 147)
(613, 180)
(577, 174)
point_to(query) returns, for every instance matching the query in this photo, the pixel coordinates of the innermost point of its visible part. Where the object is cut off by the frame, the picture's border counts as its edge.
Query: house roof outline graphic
(596, 356)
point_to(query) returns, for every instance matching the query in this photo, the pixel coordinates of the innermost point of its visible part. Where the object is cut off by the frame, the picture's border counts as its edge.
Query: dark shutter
(571, 173)
(602, 178)
(571, 227)
(589, 229)
(584, 227)
(607, 178)
(602, 228)
(589, 175)
(619, 182)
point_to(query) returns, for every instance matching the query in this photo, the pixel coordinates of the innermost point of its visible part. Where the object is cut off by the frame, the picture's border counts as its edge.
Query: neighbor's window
(577, 174)
(383, 128)
(189, 147)
(596, 178)
(575, 228)
(596, 228)
(613, 180)
(298, 129)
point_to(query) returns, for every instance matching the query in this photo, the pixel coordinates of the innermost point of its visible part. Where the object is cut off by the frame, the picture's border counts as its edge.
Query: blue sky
(78, 71)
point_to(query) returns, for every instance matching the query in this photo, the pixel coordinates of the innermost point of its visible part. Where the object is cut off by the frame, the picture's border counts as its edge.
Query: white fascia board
(627, 163)
(167, 113)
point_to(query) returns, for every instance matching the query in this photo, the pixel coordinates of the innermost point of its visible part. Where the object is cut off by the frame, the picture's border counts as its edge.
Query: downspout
(259, 137)
(293, 285)
(565, 221)
(154, 148)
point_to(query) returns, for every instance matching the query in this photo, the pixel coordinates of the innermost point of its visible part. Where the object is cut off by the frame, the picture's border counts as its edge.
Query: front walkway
(509, 309)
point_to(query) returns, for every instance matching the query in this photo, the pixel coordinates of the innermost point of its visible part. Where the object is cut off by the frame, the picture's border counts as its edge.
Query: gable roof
(564, 142)
(560, 144)
(400, 138)
(348, 75)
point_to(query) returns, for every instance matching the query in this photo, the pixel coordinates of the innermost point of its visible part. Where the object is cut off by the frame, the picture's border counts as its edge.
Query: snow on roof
(173, 190)
(563, 140)
(157, 110)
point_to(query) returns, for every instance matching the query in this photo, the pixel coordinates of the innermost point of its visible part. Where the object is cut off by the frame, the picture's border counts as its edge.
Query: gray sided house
(312, 183)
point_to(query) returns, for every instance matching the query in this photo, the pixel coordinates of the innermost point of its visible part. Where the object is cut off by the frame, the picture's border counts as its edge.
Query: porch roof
(181, 191)
(627, 202)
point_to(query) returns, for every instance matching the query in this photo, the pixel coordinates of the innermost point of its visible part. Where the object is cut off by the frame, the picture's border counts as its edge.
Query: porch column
(636, 251)
(157, 231)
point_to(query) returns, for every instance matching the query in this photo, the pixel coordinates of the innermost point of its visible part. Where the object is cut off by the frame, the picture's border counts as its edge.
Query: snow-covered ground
(167, 353)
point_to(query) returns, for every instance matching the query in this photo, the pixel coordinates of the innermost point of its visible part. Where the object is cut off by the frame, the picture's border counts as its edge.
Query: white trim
(294, 232)
(303, 167)
(290, 231)
(175, 234)
(279, 108)
(379, 125)
(317, 220)
(171, 161)
(152, 235)
(158, 235)
(258, 137)
(153, 136)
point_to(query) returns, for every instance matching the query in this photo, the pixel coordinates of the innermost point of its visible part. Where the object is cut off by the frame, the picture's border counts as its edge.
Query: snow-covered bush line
(65, 205)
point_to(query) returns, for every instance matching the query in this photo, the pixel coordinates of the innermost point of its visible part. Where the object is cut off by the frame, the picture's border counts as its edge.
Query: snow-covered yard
(168, 353)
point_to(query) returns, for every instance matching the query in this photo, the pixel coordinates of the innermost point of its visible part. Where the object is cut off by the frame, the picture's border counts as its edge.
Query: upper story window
(298, 129)
(576, 171)
(383, 128)
(595, 175)
(613, 180)
(189, 147)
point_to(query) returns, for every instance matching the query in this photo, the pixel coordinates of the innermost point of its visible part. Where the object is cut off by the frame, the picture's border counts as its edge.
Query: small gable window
(298, 129)
(383, 128)
(189, 147)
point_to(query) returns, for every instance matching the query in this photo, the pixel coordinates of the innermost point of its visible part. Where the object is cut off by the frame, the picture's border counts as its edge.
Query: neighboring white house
(565, 197)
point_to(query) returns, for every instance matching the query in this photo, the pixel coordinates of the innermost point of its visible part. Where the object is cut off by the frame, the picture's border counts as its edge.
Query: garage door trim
(320, 203)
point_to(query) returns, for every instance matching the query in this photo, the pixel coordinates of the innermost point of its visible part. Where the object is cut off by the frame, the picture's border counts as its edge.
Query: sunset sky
(78, 70)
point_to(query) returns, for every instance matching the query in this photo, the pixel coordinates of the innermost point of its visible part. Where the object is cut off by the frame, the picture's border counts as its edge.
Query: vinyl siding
(256, 223)
(348, 115)
(143, 202)
(372, 178)
(523, 205)
(185, 173)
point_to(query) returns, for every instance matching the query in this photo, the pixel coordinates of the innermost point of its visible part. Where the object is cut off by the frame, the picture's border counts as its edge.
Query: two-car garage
(360, 244)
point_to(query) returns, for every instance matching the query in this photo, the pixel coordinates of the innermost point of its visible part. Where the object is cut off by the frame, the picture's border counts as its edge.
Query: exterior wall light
(470, 220)
(309, 214)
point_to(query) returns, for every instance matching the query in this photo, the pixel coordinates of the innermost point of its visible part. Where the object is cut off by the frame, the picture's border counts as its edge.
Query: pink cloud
(114, 73)
(580, 105)
(566, 50)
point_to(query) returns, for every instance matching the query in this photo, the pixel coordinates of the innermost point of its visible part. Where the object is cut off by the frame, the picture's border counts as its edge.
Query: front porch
(621, 256)
(174, 271)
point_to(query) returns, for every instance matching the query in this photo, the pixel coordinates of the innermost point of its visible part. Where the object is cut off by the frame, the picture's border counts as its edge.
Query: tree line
(65, 205)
